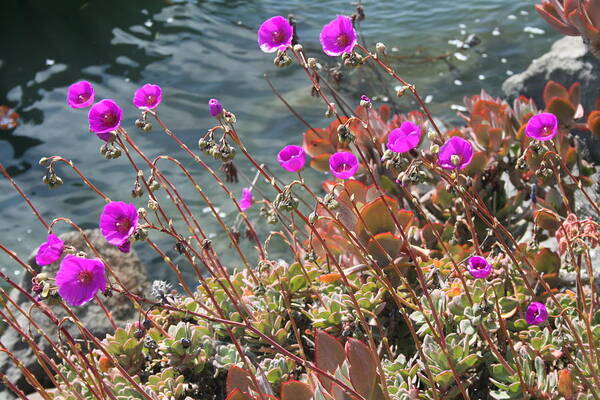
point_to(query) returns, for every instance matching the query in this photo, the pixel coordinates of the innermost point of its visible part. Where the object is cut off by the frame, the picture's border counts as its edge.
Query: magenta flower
(536, 313)
(405, 138)
(292, 158)
(125, 247)
(275, 34)
(542, 126)
(479, 267)
(343, 164)
(214, 107)
(456, 153)
(118, 221)
(246, 201)
(104, 117)
(338, 36)
(49, 251)
(78, 279)
(80, 95)
(147, 97)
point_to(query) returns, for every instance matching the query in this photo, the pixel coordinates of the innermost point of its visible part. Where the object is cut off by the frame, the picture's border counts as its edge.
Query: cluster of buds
(51, 179)
(285, 201)
(142, 123)
(352, 60)
(282, 60)
(345, 136)
(110, 151)
(413, 175)
(330, 201)
(543, 171)
(138, 190)
(270, 214)
(395, 160)
(581, 233)
(218, 150)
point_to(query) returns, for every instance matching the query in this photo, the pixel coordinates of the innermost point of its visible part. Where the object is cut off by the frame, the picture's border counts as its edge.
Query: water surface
(201, 49)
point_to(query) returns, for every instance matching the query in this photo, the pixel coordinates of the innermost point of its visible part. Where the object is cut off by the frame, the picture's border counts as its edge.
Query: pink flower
(275, 34)
(78, 279)
(343, 164)
(104, 117)
(214, 107)
(456, 153)
(49, 251)
(405, 138)
(292, 158)
(338, 36)
(479, 267)
(246, 201)
(80, 95)
(147, 97)
(536, 313)
(542, 126)
(118, 222)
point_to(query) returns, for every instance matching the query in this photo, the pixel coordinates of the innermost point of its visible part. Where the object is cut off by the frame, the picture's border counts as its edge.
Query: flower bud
(312, 63)
(434, 148)
(380, 47)
(298, 48)
(215, 108)
(365, 102)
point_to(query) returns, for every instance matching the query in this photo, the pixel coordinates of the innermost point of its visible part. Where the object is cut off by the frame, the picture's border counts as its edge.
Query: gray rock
(567, 62)
(130, 272)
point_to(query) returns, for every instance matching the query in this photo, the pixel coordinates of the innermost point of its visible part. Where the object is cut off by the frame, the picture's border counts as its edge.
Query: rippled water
(201, 49)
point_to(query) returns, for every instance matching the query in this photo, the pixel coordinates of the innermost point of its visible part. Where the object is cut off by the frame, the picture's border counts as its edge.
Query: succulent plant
(574, 18)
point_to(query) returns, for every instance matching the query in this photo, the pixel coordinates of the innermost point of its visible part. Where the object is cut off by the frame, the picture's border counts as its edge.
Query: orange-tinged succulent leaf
(550, 15)
(384, 247)
(546, 261)
(565, 383)
(593, 123)
(363, 367)
(478, 163)
(375, 218)
(330, 278)
(237, 394)
(296, 390)
(320, 162)
(547, 220)
(329, 355)
(575, 93)
(9, 119)
(239, 378)
(563, 109)
(405, 218)
(554, 89)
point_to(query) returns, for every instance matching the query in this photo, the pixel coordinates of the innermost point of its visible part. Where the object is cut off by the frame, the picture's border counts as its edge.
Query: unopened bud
(297, 48)
(380, 47)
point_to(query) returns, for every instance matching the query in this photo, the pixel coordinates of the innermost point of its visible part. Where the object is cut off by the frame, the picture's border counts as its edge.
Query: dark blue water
(201, 49)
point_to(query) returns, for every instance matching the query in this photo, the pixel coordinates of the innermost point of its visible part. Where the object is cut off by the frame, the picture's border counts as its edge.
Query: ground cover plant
(427, 265)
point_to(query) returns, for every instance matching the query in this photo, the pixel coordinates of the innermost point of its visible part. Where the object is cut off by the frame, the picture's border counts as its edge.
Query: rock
(130, 272)
(568, 61)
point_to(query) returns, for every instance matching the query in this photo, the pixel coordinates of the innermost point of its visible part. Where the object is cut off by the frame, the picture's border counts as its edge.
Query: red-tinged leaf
(385, 112)
(363, 367)
(547, 220)
(237, 394)
(478, 163)
(384, 247)
(317, 147)
(329, 355)
(375, 218)
(405, 218)
(575, 93)
(295, 390)
(239, 378)
(320, 162)
(550, 15)
(554, 89)
(565, 383)
(546, 261)
(562, 108)
(593, 123)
